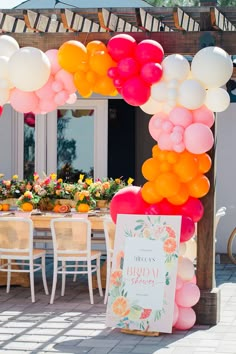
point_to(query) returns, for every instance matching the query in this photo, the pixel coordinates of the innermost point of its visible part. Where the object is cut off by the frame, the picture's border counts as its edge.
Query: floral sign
(143, 277)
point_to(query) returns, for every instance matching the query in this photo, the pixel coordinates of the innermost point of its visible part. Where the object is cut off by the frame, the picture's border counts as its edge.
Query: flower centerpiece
(28, 201)
(84, 201)
(11, 190)
(103, 190)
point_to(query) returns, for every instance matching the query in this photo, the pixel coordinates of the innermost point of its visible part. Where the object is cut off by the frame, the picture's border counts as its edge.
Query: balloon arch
(181, 100)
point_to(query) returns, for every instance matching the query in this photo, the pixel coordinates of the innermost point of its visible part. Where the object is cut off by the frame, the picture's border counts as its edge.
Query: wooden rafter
(28, 20)
(183, 21)
(151, 23)
(219, 21)
(103, 21)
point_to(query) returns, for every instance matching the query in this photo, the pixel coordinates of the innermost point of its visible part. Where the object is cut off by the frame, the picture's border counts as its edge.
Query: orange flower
(170, 231)
(115, 278)
(169, 245)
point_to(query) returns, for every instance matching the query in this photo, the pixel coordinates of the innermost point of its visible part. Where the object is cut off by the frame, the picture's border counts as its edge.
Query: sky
(48, 4)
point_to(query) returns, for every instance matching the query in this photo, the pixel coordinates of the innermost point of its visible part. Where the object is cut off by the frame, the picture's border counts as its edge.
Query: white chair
(72, 243)
(17, 253)
(109, 231)
(219, 213)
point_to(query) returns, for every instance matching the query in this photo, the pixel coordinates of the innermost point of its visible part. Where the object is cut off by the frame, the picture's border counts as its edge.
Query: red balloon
(121, 46)
(135, 91)
(187, 229)
(166, 208)
(153, 209)
(127, 201)
(128, 67)
(1, 110)
(112, 72)
(149, 51)
(192, 208)
(151, 73)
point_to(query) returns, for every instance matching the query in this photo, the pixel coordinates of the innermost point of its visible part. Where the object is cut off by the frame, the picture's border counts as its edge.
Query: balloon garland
(181, 99)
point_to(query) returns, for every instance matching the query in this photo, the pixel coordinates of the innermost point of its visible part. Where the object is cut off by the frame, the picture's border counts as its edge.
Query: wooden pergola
(182, 30)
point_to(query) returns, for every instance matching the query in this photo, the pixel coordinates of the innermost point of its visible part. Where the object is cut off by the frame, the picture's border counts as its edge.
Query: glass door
(69, 141)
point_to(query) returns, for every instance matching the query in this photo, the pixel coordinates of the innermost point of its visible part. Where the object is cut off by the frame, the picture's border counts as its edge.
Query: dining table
(42, 234)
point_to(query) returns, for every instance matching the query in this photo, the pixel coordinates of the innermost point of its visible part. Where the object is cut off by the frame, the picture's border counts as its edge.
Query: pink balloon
(155, 124)
(61, 97)
(165, 142)
(167, 126)
(46, 106)
(192, 208)
(167, 208)
(203, 115)
(148, 51)
(121, 46)
(135, 91)
(193, 280)
(198, 138)
(187, 229)
(151, 73)
(46, 92)
(179, 283)
(175, 314)
(127, 67)
(57, 86)
(67, 79)
(186, 318)
(118, 82)
(23, 101)
(72, 98)
(188, 295)
(181, 116)
(176, 137)
(52, 55)
(127, 201)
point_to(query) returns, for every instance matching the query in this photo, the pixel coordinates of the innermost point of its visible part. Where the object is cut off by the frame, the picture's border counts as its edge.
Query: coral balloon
(71, 54)
(186, 318)
(148, 51)
(187, 229)
(127, 201)
(127, 67)
(121, 46)
(192, 208)
(149, 193)
(167, 184)
(135, 91)
(150, 169)
(199, 186)
(198, 138)
(151, 73)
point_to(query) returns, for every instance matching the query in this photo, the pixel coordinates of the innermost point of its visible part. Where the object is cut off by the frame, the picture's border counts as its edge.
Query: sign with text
(143, 276)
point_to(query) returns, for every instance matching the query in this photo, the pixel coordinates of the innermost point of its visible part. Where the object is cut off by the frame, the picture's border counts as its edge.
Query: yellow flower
(15, 177)
(117, 180)
(53, 176)
(106, 185)
(81, 177)
(36, 176)
(28, 194)
(89, 181)
(60, 180)
(130, 181)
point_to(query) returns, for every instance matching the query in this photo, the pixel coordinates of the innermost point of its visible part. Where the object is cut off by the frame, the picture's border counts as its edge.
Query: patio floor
(72, 325)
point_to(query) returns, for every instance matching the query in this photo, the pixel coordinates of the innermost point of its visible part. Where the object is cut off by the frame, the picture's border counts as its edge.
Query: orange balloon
(149, 193)
(165, 166)
(204, 163)
(172, 157)
(91, 77)
(82, 85)
(199, 186)
(181, 197)
(100, 62)
(71, 54)
(150, 169)
(167, 184)
(104, 86)
(186, 167)
(95, 46)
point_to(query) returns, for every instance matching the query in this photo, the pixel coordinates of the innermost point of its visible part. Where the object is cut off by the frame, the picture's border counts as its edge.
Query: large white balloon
(175, 66)
(29, 69)
(159, 91)
(8, 46)
(191, 94)
(212, 66)
(4, 73)
(217, 99)
(151, 106)
(4, 96)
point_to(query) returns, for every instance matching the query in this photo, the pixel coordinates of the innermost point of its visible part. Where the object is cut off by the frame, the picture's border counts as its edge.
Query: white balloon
(29, 69)
(212, 66)
(159, 91)
(4, 96)
(191, 249)
(217, 99)
(175, 66)
(185, 268)
(182, 248)
(4, 73)
(8, 46)
(151, 106)
(191, 94)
